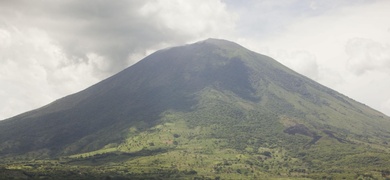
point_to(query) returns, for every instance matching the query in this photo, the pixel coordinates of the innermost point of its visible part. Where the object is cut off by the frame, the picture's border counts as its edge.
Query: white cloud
(367, 55)
(34, 72)
(194, 18)
(119, 29)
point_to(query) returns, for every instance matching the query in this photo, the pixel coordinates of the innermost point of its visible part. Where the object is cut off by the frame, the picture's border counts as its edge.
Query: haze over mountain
(219, 107)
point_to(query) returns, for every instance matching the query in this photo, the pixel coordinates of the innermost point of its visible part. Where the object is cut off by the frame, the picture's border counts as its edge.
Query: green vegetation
(211, 110)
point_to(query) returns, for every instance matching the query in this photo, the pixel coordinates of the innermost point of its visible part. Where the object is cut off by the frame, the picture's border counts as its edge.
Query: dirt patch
(303, 130)
(299, 129)
(331, 135)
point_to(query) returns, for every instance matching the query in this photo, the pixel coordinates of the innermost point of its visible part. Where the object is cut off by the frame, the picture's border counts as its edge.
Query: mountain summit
(205, 109)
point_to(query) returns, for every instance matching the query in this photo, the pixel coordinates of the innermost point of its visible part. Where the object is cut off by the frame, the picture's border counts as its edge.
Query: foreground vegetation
(177, 149)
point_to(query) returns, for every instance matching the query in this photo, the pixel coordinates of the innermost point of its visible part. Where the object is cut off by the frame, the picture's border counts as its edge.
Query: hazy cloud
(118, 29)
(33, 71)
(268, 18)
(367, 55)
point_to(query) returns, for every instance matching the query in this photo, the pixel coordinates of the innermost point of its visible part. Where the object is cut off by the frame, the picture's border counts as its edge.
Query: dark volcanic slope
(185, 79)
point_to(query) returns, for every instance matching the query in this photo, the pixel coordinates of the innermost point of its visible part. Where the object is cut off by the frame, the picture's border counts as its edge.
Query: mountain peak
(216, 41)
(220, 43)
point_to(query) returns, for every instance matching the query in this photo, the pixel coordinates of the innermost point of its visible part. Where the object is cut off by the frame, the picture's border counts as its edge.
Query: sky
(53, 48)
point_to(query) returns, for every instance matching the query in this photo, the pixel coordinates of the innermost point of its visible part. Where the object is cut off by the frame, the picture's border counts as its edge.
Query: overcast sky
(52, 48)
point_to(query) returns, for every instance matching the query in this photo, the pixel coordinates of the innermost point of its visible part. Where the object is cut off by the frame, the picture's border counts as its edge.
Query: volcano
(212, 109)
